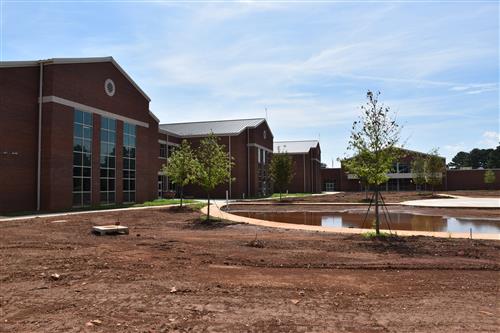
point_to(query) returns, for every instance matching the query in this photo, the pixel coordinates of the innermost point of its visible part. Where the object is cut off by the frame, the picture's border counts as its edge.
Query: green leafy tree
(281, 171)
(489, 177)
(418, 170)
(434, 169)
(460, 160)
(494, 158)
(479, 157)
(373, 142)
(215, 166)
(182, 167)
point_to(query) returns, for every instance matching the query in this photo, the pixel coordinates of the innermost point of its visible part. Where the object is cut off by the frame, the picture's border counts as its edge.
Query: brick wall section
(470, 180)
(245, 161)
(18, 143)
(453, 180)
(307, 172)
(84, 84)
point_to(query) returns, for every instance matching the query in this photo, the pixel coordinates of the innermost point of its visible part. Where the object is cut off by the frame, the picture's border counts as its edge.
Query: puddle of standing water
(398, 221)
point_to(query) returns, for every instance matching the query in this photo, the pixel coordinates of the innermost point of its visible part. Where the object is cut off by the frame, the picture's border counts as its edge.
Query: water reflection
(398, 221)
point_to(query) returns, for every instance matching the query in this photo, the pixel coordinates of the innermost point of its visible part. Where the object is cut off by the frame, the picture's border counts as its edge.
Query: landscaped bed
(172, 273)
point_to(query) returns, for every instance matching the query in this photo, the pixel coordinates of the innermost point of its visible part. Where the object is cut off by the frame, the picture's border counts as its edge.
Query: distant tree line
(477, 158)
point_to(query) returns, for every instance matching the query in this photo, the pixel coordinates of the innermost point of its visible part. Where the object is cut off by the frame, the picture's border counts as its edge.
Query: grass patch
(195, 205)
(373, 234)
(162, 202)
(290, 195)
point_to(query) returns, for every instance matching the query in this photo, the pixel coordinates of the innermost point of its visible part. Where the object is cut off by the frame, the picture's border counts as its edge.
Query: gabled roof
(295, 147)
(217, 127)
(54, 61)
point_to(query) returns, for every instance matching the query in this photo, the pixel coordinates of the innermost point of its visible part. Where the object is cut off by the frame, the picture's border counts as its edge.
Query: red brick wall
(84, 84)
(244, 170)
(307, 172)
(18, 138)
(470, 180)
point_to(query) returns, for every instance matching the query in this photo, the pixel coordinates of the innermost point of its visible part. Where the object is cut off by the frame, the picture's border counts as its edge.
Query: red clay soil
(391, 196)
(171, 274)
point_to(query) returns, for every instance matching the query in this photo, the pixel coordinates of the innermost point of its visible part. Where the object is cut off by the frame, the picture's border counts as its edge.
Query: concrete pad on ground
(462, 202)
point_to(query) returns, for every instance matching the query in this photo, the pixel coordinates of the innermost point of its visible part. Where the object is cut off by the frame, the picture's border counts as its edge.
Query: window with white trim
(163, 150)
(129, 168)
(107, 160)
(82, 159)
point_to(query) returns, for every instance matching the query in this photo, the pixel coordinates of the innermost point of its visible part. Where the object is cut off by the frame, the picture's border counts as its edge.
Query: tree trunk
(208, 210)
(377, 219)
(182, 194)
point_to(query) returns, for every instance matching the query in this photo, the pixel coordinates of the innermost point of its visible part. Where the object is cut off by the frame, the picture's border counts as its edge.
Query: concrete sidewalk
(456, 202)
(34, 216)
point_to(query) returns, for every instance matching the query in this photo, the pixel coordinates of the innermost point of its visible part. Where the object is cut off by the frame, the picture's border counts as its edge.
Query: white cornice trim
(168, 143)
(162, 131)
(259, 146)
(154, 117)
(83, 107)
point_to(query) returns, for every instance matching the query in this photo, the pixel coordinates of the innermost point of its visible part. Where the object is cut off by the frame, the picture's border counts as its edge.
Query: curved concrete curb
(217, 213)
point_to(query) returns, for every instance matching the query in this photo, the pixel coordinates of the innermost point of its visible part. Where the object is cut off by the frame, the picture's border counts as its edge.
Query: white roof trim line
(83, 107)
(259, 146)
(168, 133)
(154, 117)
(168, 143)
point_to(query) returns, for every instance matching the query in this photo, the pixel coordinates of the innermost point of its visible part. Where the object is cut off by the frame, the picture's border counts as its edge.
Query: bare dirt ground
(173, 275)
(394, 197)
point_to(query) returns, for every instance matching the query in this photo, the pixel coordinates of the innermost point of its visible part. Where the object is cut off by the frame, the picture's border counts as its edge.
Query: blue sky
(309, 64)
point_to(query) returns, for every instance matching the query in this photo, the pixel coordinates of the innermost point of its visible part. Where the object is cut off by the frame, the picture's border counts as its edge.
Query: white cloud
(490, 139)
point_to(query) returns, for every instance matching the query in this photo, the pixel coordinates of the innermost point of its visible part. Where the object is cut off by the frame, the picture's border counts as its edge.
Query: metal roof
(217, 127)
(30, 63)
(295, 147)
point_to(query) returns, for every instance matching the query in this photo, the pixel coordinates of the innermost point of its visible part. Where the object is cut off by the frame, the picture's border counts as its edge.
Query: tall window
(108, 158)
(163, 150)
(82, 158)
(128, 162)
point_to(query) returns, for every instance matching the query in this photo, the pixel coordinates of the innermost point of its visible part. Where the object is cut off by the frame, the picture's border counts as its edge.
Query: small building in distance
(306, 157)
(249, 142)
(400, 178)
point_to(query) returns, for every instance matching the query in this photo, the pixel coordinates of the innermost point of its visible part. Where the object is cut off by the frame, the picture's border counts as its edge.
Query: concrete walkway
(217, 213)
(34, 216)
(456, 202)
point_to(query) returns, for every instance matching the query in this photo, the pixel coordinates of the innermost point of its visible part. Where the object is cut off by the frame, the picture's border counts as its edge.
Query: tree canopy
(434, 168)
(373, 141)
(215, 165)
(476, 158)
(183, 167)
(281, 171)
